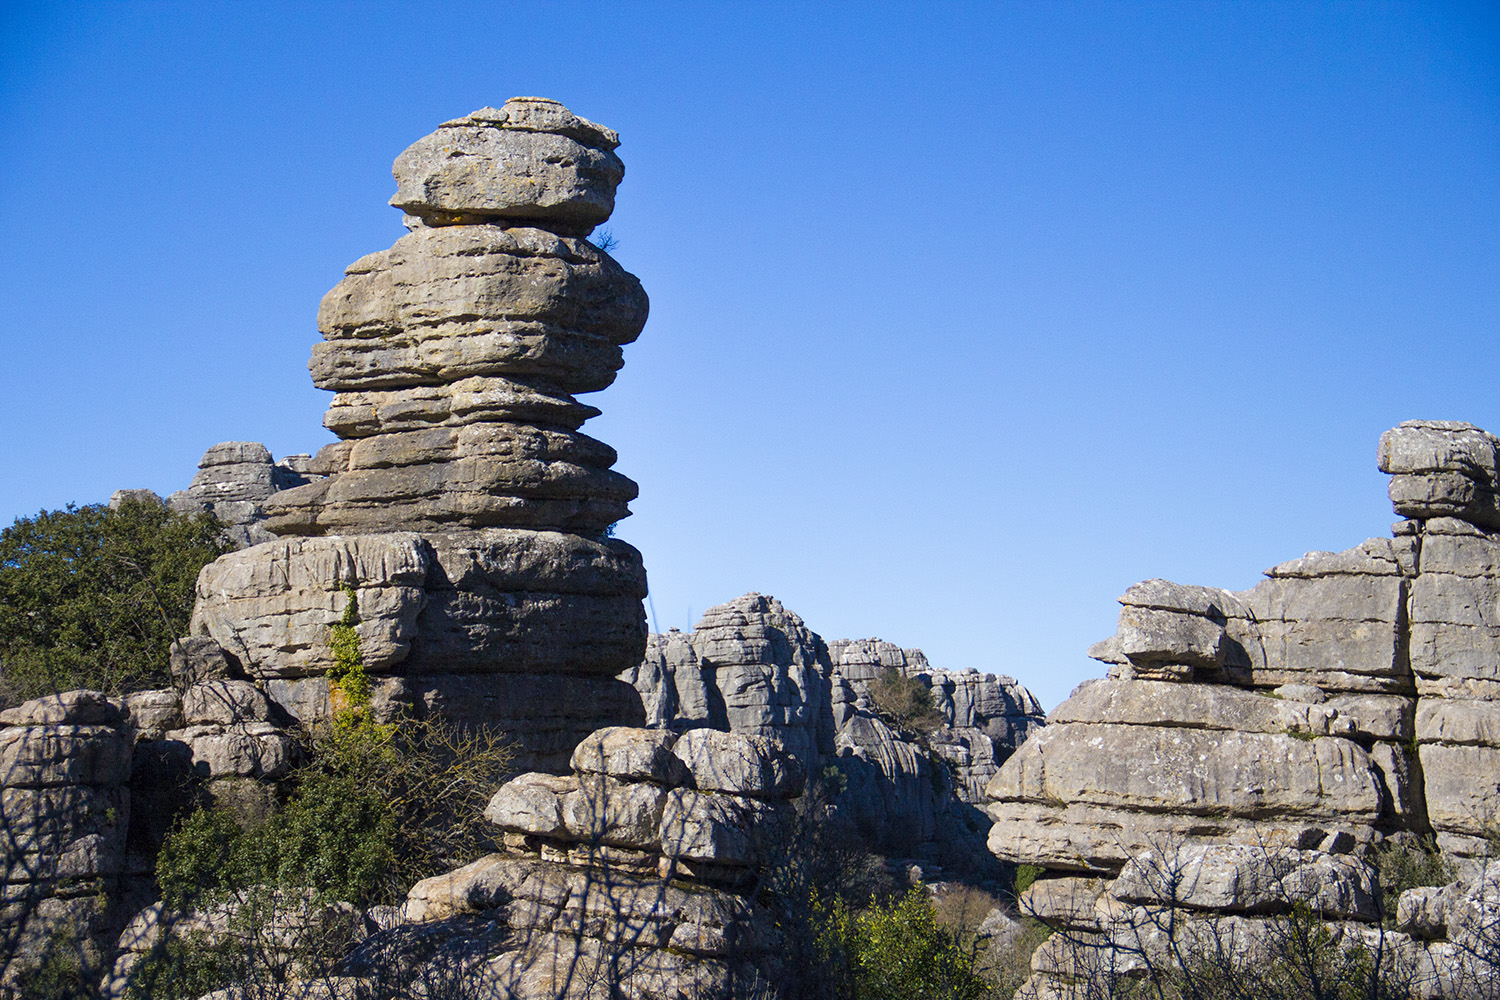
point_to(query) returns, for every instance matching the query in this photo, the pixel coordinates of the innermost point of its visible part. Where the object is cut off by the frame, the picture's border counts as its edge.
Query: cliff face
(1349, 700)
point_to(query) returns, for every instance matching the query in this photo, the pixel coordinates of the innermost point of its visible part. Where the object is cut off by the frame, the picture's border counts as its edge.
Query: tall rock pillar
(462, 506)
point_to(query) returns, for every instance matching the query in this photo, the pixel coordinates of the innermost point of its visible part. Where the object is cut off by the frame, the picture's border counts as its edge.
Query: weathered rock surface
(531, 159)
(454, 353)
(462, 508)
(65, 763)
(751, 667)
(233, 482)
(1248, 749)
(620, 879)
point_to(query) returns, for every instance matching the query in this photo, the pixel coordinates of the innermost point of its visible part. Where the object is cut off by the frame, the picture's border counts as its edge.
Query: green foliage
(203, 853)
(1025, 876)
(906, 703)
(348, 670)
(378, 807)
(187, 966)
(1408, 865)
(93, 597)
(60, 972)
(899, 951)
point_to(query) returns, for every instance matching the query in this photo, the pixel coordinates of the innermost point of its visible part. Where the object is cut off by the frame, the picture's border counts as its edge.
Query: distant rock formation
(753, 667)
(1349, 700)
(234, 481)
(462, 507)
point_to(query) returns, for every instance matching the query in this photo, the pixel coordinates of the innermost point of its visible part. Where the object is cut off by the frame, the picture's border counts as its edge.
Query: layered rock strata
(623, 878)
(1346, 701)
(65, 765)
(753, 667)
(233, 483)
(462, 510)
(454, 354)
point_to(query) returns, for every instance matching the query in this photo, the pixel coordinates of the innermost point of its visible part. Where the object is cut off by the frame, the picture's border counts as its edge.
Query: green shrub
(899, 951)
(1026, 875)
(1405, 866)
(906, 703)
(93, 597)
(348, 670)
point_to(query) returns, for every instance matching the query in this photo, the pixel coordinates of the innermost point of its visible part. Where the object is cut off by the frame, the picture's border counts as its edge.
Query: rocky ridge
(1345, 702)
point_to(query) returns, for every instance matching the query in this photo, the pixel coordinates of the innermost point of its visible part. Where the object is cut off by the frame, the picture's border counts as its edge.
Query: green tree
(93, 597)
(899, 951)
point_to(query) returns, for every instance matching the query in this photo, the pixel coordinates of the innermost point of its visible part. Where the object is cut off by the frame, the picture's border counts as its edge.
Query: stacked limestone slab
(455, 353)
(65, 762)
(462, 507)
(233, 482)
(629, 876)
(1349, 699)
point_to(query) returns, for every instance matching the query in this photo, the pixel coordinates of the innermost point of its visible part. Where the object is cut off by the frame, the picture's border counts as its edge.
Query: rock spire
(462, 511)
(455, 354)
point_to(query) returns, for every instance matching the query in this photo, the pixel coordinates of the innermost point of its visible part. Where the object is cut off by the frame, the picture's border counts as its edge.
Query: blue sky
(964, 317)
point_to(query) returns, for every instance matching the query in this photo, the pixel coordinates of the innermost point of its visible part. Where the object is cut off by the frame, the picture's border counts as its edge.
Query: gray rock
(531, 804)
(152, 713)
(119, 498)
(753, 766)
(719, 829)
(1442, 468)
(1237, 878)
(605, 811)
(531, 159)
(224, 703)
(1423, 912)
(70, 708)
(197, 658)
(631, 754)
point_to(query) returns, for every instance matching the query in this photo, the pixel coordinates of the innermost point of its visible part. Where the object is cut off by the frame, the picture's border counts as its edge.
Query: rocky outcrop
(462, 510)
(1345, 702)
(753, 667)
(626, 877)
(234, 481)
(65, 763)
(454, 353)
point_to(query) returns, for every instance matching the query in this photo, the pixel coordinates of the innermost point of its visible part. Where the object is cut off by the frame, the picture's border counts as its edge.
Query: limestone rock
(1442, 468)
(531, 804)
(530, 159)
(753, 669)
(65, 760)
(631, 754)
(234, 481)
(1236, 878)
(224, 702)
(1347, 699)
(738, 764)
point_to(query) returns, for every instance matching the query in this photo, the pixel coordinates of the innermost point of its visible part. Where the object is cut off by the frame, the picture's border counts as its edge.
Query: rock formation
(462, 509)
(627, 877)
(234, 481)
(753, 667)
(1348, 700)
(64, 809)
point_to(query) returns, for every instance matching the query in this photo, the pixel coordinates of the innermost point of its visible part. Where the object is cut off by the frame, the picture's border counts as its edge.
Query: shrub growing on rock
(906, 703)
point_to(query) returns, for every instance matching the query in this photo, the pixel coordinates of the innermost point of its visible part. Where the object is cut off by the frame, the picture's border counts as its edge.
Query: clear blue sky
(964, 317)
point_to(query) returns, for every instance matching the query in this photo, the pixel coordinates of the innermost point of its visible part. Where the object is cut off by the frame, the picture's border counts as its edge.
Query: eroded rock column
(464, 510)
